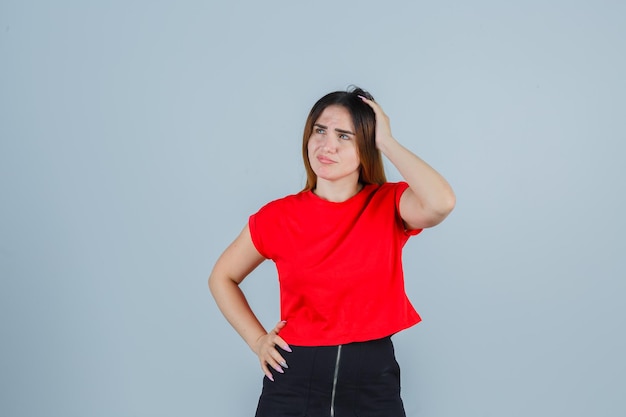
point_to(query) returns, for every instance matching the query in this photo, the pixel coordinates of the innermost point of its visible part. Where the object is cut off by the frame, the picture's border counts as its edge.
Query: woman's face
(332, 146)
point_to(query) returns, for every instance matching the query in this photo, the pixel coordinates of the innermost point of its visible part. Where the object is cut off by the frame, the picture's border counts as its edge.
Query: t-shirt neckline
(314, 196)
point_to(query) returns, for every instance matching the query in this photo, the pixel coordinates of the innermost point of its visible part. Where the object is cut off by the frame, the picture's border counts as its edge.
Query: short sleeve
(255, 224)
(400, 188)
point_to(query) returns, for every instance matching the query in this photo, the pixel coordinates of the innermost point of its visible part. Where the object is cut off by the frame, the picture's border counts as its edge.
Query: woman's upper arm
(415, 215)
(239, 259)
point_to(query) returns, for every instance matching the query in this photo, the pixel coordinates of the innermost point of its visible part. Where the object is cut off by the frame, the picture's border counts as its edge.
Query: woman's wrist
(387, 145)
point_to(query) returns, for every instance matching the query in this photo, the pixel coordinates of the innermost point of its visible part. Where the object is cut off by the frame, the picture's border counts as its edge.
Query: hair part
(371, 169)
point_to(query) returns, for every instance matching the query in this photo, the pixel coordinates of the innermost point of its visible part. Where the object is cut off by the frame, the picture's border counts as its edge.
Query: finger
(280, 342)
(274, 364)
(277, 340)
(267, 372)
(270, 356)
(279, 358)
(279, 326)
(369, 102)
(378, 111)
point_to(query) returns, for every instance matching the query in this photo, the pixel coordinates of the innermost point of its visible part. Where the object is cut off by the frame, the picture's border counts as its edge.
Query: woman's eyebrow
(344, 131)
(336, 130)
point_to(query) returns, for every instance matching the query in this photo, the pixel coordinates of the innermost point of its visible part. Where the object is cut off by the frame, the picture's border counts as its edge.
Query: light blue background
(137, 136)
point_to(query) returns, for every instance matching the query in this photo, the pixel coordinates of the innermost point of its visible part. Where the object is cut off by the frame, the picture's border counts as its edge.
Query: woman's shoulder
(389, 187)
(286, 201)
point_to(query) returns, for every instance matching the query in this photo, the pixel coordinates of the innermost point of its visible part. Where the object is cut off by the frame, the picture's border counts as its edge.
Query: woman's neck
(335, 192)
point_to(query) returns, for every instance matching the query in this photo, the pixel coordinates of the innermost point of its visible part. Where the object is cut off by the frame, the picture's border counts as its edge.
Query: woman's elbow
(217, 282)
(438, 213)
(212, 283)
(448, 204)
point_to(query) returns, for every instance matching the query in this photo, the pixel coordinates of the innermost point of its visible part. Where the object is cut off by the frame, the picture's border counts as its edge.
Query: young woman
(337, 246)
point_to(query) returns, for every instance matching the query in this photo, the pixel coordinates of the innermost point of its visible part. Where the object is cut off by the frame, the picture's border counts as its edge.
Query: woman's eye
(319, 131)
(344, 136)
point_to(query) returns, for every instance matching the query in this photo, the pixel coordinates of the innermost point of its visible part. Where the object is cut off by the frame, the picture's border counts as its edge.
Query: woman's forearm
(235, 308)
(236, 263)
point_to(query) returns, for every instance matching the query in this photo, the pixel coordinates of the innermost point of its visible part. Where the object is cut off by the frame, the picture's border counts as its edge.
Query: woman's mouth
(325, 160)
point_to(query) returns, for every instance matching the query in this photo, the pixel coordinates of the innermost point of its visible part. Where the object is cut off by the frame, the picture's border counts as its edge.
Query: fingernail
(270, 377)
(284, 365)
(279, 369)
(287, 349)
(284, 321)
(362, 98)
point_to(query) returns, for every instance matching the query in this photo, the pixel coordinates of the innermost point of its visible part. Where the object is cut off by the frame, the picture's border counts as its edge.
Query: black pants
(356, 380)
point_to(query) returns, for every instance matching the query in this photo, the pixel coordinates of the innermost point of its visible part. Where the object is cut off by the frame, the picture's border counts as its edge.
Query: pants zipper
(332, 398)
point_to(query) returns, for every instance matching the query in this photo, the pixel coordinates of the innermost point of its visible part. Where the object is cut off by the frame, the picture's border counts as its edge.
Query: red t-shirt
(339, 265)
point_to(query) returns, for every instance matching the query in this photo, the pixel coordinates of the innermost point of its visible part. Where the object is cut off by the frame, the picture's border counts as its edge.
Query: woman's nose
(329, 144)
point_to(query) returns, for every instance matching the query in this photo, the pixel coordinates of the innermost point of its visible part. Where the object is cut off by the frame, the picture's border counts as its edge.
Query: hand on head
(383, 126)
